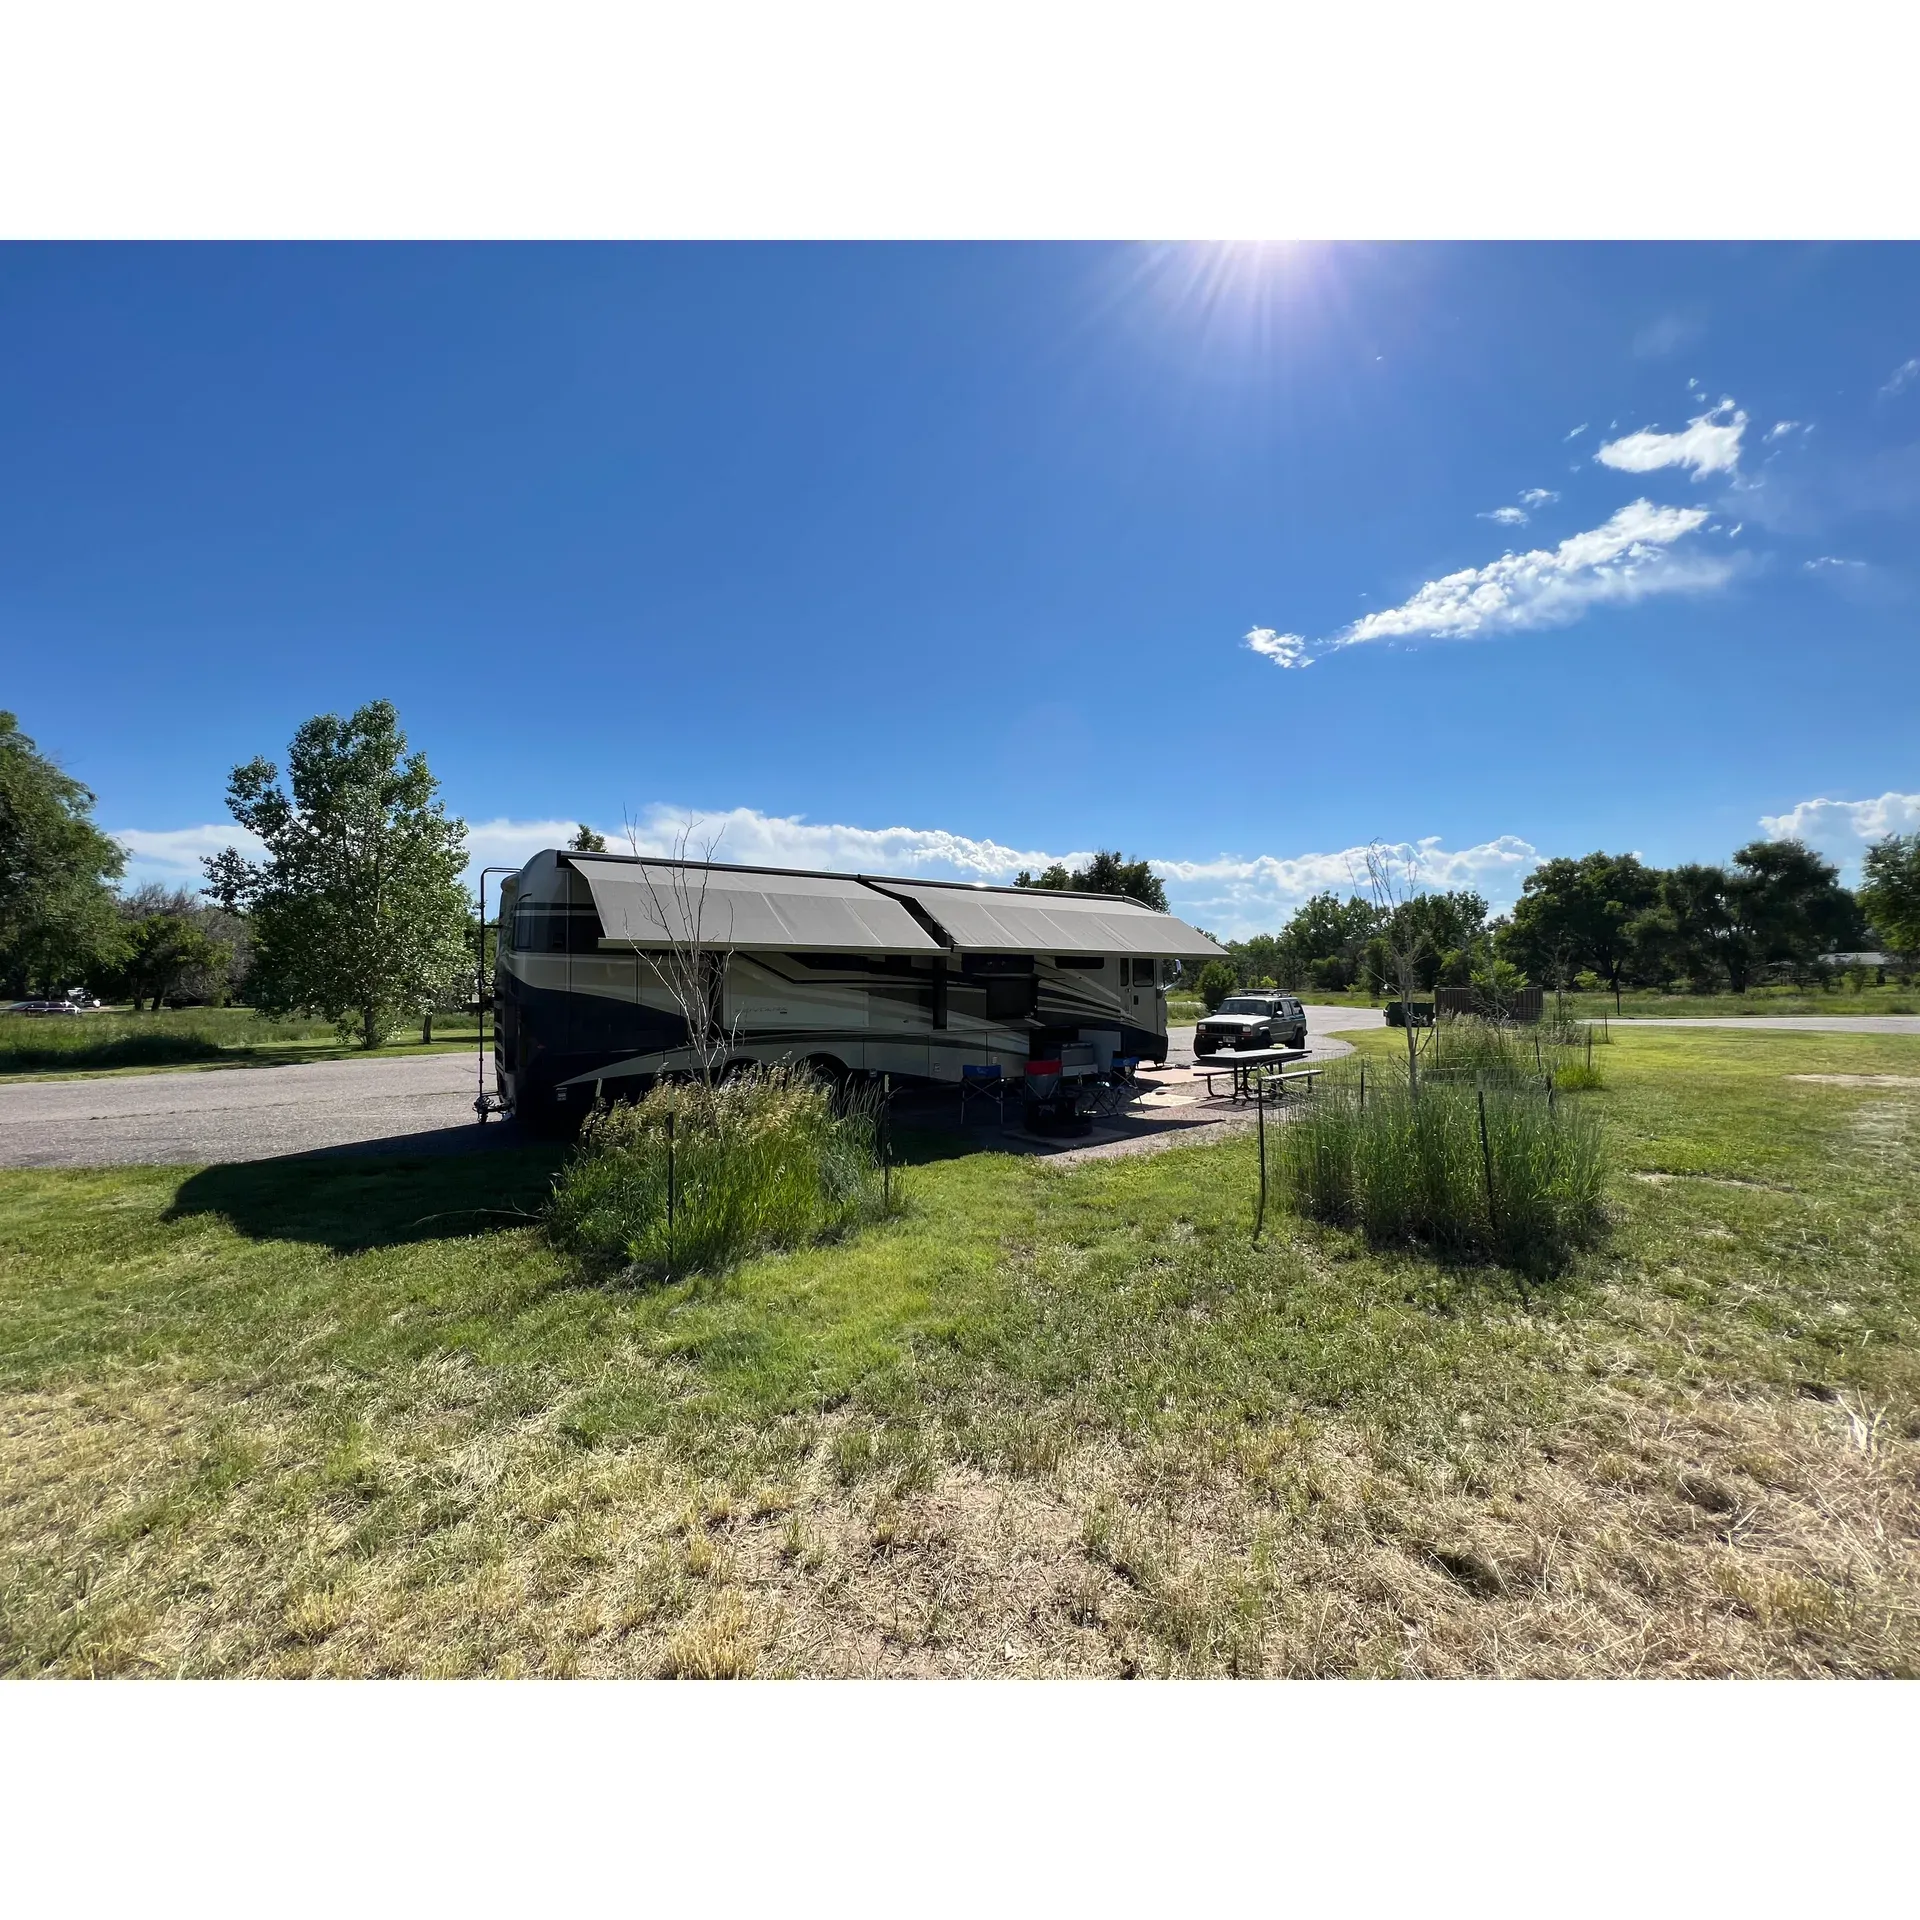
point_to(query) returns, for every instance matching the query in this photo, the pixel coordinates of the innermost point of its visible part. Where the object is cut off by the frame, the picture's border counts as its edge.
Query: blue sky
(950, 558)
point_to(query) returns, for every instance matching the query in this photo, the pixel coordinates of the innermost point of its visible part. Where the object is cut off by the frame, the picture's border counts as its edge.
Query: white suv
(1248, 1020)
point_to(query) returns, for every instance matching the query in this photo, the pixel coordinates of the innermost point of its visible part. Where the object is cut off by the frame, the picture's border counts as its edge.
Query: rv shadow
(375, 1195)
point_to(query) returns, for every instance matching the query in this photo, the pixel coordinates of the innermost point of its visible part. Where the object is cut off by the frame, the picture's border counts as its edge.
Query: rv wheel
(832, 1071)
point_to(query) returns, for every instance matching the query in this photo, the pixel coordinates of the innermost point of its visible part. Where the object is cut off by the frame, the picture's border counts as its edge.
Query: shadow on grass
(379, 1193)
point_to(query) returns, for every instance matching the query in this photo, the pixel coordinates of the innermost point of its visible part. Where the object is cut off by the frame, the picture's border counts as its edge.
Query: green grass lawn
(116, 1042)
(1184, 1009)
(1759, 1000)
(352, 1416)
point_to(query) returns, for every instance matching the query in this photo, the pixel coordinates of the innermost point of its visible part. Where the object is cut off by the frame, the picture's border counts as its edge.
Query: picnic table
(1248, 1069)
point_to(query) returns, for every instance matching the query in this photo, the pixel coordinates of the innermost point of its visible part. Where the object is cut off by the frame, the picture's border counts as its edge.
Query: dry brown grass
(1710, 1537)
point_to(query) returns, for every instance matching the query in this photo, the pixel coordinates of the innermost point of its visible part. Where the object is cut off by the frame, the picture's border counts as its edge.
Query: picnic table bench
(1248, 1069)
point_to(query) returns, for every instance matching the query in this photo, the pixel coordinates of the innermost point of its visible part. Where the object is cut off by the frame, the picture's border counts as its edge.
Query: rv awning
(980, 920)
(646, 905)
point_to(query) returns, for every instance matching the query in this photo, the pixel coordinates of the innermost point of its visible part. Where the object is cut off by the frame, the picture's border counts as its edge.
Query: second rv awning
(994, 920)
(650, 906)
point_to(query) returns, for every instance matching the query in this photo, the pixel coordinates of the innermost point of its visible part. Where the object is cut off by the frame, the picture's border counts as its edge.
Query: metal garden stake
(1260, 1106)
(1486, 1157)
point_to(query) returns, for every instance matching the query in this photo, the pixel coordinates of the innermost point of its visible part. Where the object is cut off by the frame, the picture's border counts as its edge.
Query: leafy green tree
(1573, 915)
(1217, 980)
(587, 841)
(1699, 931)
(1890, 893)
(1104, 873)
(1262, 957)
(357, 911)
(1792, 905)
(162, 950)
(57, 918)
(1325, 938)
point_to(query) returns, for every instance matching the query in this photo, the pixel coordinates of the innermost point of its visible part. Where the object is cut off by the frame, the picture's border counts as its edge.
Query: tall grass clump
(770, 1158)
(1415, 1171)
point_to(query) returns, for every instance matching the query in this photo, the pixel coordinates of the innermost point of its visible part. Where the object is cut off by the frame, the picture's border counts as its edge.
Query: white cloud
(1904, 376)
(1576, 433)
(173, 856)
(1780, 428)
(1507, 516)
(1283, 649)
(1829, 560)
(1537, 496)
(1708, 444)
(1842, 829)
(1234, 896)
(751, 838)
(1625, 560)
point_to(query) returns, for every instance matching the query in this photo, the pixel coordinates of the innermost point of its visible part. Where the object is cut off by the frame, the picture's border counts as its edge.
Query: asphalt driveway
(422, 1103)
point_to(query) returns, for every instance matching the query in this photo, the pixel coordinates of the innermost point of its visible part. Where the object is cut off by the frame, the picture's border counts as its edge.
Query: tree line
(1606, 920)
(354, 910)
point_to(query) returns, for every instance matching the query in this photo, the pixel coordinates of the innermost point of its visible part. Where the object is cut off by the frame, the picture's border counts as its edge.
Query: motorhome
(853, 973)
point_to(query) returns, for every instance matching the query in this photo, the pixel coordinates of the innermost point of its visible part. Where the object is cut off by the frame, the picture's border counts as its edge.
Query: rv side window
(1088, 962)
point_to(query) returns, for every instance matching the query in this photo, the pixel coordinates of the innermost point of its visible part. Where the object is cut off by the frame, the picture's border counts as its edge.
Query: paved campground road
(419, 1104)
(424, 1103)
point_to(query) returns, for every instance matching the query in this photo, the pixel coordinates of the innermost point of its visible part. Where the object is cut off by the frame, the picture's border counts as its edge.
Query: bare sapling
(1393, 879)
(692, 953)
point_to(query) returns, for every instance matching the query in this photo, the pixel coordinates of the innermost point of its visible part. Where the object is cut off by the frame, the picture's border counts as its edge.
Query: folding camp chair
(1120, 1088)
(983, 1083)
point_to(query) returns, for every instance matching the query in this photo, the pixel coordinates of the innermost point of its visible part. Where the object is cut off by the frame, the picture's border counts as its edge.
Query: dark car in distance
(1244, 1021)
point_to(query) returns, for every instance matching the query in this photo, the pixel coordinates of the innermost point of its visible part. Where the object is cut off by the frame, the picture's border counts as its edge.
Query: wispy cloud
(1283, 649)
(1537, 496)
(1576, 433)
(1625, 560)
(1507, 516)
(1903, 377)
(1709, 443)
(173, 855)
(1829, 560)
(1666, 335)
(1780, 429)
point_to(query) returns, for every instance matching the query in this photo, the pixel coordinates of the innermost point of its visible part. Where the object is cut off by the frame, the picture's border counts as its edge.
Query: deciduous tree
(1792, 905)
(357, 911)
(57, 918)
(1104, 873)
(1890, 893)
